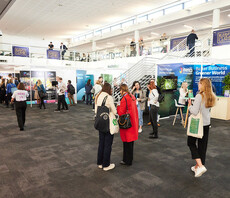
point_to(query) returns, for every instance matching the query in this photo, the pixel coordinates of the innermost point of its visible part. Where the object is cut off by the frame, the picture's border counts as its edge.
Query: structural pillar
(216, 19)
(94, 48)
(137, 36)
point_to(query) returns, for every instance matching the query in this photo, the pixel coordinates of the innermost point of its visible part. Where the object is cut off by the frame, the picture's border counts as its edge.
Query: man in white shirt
(61, 95)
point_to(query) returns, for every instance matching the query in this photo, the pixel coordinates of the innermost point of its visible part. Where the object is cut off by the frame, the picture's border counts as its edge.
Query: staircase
(142, 71)
(201, 49)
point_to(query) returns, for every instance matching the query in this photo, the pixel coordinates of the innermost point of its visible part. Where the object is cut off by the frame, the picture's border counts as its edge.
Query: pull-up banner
(174, 42)
(53, 54)
(20, 51)
(221, 37)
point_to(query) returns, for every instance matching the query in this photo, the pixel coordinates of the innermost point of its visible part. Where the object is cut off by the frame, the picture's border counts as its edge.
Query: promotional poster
(81, 78)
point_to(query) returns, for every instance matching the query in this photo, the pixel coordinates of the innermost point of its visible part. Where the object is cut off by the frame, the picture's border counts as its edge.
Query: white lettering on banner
(187, 70)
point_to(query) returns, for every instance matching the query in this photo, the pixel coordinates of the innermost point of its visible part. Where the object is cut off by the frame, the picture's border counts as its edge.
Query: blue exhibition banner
(174, 42)
(221, 37)
(215, 72)
(81, 76)
(53, 54)
(91, 77)
(20, 51)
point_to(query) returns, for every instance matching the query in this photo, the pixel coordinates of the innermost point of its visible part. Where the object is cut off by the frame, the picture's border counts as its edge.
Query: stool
(178, 107)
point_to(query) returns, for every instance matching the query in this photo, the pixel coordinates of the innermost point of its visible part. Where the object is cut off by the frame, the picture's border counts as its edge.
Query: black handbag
(102, 117)
(124, 120)
(41, 93)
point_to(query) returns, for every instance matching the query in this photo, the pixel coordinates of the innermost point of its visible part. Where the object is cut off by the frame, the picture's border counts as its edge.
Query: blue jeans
(89, 98)
(140, 115)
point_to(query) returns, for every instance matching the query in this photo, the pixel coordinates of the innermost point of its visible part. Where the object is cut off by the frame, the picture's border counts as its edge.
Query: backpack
(102, 117)
(72, 90)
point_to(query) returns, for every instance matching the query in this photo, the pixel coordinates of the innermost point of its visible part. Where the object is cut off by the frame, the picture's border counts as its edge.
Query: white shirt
(153, 96)
(182, 95)
(61, 88)
(20, 95)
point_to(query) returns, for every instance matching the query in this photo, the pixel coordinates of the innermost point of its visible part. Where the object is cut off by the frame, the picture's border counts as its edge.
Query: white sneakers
(110, 167)
(140, 130)
(200, 171)
(100, 166)
(193, 168)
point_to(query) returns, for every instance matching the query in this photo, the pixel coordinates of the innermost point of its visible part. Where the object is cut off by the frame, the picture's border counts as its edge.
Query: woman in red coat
(128, 136)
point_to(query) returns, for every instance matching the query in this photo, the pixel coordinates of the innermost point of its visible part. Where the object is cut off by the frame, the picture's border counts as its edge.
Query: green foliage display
(226, 81)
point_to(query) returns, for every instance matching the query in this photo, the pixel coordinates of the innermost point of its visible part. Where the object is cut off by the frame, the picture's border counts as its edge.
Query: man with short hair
(71, 92)
(51, 46)
(191, 39)
(101, 80)
(63, 49)
(61, 95)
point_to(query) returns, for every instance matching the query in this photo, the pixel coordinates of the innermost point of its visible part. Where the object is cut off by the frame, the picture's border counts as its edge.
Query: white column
(94, 46)
(137, 36)
(216, 18)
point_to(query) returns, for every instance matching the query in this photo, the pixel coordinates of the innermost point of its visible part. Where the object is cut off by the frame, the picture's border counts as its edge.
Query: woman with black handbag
(129, 134)
(41, 93)
(105, 99)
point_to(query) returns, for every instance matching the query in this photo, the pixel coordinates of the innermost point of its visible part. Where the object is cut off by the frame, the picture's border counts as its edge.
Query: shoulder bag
(124, 120)
(102, 117)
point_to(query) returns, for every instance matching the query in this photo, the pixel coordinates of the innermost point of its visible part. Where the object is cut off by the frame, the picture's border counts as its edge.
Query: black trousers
(8, 99)
(104, 149)
(153, 118)
(200, 150)
(128, 152)
(21, 113)
(42, 103)
(191, 49)
(61, 100)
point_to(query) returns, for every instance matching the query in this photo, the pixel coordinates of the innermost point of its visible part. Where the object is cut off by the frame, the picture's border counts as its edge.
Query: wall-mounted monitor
(168, 83)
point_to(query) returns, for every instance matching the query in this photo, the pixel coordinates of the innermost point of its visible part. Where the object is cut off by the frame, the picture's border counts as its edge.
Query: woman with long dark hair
(2, 90)
(88, 93)
(105, 138)
(140, 96)
(20, 97)
(128, 136)
(203, 103)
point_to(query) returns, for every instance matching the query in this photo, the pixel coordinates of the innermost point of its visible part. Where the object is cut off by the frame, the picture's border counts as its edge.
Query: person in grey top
(203, 102)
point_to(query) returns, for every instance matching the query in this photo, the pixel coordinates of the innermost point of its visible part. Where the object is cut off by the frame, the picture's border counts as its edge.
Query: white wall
(221, 52)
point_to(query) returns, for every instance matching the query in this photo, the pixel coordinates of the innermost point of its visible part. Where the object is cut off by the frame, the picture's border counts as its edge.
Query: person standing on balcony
(63, 49)
(51, 46)
(133, 48)
(191, 43)
(163, 41)
(141, 46)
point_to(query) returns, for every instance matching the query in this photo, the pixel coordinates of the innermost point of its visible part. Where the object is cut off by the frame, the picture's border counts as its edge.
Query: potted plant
(226, 88)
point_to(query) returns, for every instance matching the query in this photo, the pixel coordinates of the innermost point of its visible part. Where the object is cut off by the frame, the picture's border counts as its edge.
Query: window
(128, 23)
(90, 35)
(97, 33)
(115, 27)
(173, 9)
(106, 30)
(193, 3)
(80, 38)
(141, 19)
(155, 15)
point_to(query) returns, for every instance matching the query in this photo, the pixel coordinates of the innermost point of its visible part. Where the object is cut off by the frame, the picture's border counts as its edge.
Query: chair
(178, 107)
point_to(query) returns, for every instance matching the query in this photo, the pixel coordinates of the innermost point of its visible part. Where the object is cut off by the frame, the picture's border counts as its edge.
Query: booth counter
(222, 108)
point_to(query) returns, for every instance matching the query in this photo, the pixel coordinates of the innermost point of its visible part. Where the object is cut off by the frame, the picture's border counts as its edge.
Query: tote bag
(113, 123)
(195, 126)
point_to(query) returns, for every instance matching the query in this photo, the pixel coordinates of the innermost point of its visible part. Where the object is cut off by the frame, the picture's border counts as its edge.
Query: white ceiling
(64, 18)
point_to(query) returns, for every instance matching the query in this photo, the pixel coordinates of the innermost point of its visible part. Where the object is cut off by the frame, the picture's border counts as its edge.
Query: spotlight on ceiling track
(228, 15)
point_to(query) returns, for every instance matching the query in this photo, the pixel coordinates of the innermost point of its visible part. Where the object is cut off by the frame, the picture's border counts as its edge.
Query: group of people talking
(132, 101)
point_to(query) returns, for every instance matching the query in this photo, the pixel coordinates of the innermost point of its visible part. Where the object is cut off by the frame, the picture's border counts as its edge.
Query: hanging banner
(215, 72)
(174, 42)
(221, 37)
(81, 76)
(53, 54)
(20, 51)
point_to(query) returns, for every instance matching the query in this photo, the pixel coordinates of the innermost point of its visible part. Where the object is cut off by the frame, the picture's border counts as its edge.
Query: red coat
(131, 134)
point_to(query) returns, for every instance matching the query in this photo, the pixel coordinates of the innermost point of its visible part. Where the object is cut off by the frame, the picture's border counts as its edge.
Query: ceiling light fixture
(187, 26)
(156, 34)
(228, 15)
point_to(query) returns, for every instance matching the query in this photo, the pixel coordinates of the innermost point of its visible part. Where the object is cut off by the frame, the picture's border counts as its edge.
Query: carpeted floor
(55, 157)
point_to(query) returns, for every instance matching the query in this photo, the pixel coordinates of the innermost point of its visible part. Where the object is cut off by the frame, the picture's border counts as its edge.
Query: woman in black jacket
(2, 90)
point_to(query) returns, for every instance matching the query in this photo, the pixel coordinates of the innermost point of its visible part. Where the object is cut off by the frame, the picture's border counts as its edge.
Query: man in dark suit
(51, 46)
(63, 49)
(191, 43)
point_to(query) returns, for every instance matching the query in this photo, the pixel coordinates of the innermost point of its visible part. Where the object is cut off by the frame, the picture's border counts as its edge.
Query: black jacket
(191, 38)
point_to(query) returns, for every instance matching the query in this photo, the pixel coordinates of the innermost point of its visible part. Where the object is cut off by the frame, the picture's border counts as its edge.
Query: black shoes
(153, 137)
(22, 129)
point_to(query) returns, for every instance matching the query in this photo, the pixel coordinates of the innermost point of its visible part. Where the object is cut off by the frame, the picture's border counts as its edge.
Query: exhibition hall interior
(114, 98)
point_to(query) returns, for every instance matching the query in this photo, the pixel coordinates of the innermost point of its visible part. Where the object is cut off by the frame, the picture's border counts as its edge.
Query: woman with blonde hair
(204, 100)
(36, 96)
(41, 93)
